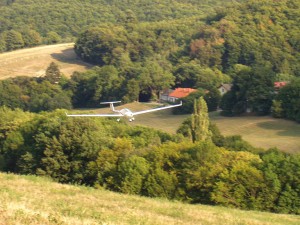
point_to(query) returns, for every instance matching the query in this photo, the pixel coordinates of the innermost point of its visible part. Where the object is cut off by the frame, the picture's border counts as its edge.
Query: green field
(32, 200)
(265, 132)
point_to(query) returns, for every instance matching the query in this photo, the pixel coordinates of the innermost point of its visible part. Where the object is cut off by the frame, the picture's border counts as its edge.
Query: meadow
(35, 200)
(34, 61)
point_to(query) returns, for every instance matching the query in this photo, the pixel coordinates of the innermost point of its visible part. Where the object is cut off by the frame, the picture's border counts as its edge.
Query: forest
(139, 48)
(26, 23)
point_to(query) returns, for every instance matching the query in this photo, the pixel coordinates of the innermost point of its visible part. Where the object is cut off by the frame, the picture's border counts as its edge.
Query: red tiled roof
(182, 92)
(279, 84)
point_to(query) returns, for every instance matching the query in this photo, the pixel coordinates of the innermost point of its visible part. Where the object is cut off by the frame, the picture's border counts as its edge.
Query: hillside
(34, 61)
(69, 18)
(33, 200)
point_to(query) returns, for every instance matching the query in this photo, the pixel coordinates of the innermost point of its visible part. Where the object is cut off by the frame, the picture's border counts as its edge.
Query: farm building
(170, 95)
(224, 88)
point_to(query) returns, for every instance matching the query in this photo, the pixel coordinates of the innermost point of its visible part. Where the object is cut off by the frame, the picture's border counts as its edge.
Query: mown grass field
(31, 200)
(264, 132)
(34, 61)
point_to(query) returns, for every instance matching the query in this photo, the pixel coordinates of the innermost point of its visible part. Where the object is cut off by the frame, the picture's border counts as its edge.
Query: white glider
(123, 112)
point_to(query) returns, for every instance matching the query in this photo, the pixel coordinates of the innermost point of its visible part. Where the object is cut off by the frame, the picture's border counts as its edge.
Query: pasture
(265, 131)
(34, 200)
(33, 62)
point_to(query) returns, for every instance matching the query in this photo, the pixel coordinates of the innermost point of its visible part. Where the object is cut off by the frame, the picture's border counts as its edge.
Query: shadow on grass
(283, 127)
(69, 56)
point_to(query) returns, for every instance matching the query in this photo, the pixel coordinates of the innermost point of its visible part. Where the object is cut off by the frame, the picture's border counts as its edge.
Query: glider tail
(111, 104)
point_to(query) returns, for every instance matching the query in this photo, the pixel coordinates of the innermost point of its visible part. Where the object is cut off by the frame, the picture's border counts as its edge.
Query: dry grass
(34, 61)
(31, 200)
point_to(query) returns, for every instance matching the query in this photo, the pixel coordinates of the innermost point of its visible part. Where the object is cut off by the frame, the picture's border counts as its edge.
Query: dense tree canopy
(64, 20)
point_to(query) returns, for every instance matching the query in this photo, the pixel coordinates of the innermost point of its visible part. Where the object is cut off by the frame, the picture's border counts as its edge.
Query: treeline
(209, 169)
(64, 20)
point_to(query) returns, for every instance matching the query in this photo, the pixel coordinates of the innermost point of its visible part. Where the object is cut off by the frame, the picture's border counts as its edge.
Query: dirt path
(34, 61)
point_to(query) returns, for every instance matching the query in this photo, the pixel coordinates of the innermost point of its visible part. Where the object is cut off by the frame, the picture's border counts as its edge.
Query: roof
(182, 92)
(227, 87)
(279, 84)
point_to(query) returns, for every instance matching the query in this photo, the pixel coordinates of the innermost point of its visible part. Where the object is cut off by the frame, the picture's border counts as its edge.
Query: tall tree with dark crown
(53, 73)
(200, 121)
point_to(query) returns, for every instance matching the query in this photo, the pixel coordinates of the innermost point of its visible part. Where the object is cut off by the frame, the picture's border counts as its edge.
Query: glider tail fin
(111, 104)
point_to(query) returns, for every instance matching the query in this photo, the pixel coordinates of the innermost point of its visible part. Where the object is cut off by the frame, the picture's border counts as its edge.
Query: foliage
(53, 73)
(64, 20)
(200, 121)
(252, 90)
(289, 97)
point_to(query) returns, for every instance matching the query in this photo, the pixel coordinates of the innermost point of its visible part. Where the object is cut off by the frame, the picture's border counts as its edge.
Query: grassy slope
(32, 200)
(34, 61)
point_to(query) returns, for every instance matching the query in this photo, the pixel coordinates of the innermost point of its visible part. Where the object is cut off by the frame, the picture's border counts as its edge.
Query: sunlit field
(33, 62)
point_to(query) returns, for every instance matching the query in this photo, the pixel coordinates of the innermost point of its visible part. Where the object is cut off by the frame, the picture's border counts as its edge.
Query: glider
(123, 112)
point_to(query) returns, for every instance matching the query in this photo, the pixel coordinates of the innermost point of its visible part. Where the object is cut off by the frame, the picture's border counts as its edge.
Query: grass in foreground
(32, 200)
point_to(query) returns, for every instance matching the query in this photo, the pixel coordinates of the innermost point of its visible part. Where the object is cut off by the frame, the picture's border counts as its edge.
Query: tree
(155, 77)
(241, 184)
(2, 43)
(52, 37)
(212, 98)
(53, 73)
(132, 173)
(14, 40)
(289, 96)
(10, 94)
(276, 109)
(253, 89)
(133, 91)
(31, 38)
(200, 121)
(96, 45)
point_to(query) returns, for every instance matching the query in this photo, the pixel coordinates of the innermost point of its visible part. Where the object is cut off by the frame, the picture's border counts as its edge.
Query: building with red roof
(279, 84)
(173, 95)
